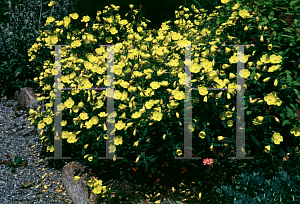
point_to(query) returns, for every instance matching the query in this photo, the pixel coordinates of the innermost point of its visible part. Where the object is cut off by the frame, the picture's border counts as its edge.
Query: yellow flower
(220, 137)
(277, 138)
(69, 103)
(120, 125)
(136, 143)
(227, 50)
(272, 99)
(118, 140)
(202, 134)
(48, 120)
(76, 178)
(236, 6)
(157, 116)
(63, 123)
(131, 6)
(136, 115)
(203, 91)
(224, 66)
(270, 46)
(257, 76)
(74, 15)
(85, 19)
(83, 116)
(232, 76)
(295, 131)
(224, 1)
(229, 123)
(178, 95)
(267, 149)
(258, 120)
(244, 13)
(274, 68)
(179, 152)
(50, 148)
(51, 3)
(154, 85)
(164, 83)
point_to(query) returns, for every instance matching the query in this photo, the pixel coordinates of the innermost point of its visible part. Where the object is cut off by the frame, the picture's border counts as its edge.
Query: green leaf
(288, 36)
(197, 3)
(290, 112)
(289, 149)
(248, 112)
(285, 122)
(293, 106)
(289, 78)
(288, 72)
(297, 83)
(18, 159)
(255, 140)
(293, 2)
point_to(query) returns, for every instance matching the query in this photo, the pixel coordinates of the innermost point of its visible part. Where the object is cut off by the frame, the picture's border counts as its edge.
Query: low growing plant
(252, 188)
(18, 161)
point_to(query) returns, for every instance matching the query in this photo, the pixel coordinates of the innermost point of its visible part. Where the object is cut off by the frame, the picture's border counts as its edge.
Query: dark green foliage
(252, 188)
(156, 11)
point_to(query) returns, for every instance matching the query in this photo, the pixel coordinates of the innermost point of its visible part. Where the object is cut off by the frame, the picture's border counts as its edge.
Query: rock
(27, 184)
(27, 98)
(77, 191)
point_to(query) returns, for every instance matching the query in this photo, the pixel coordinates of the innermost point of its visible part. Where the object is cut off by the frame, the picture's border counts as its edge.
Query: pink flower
(208, 161)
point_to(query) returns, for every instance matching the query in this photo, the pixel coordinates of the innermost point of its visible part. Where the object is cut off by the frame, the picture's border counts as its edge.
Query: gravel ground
(34, 181)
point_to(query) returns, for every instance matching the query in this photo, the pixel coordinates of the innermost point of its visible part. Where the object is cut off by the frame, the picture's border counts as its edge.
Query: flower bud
(262, 38)
(275, 82)
(266, 79)
(228, 96)
(277, 120)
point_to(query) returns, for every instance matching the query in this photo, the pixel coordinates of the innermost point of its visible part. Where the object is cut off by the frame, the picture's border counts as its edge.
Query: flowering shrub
(149, 95)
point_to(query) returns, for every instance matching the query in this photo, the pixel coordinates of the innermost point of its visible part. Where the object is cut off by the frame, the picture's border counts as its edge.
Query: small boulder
(77, 191)
(27, 98)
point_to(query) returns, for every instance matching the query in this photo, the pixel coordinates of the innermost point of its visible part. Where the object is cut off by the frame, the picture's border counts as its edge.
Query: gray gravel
(17, 140)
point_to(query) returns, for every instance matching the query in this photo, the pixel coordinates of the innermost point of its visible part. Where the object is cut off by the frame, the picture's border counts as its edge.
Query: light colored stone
(77, 191)
(27, 98)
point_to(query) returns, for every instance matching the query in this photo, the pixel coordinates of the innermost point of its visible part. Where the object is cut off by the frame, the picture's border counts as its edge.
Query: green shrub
(149, 121)
(252, 188)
